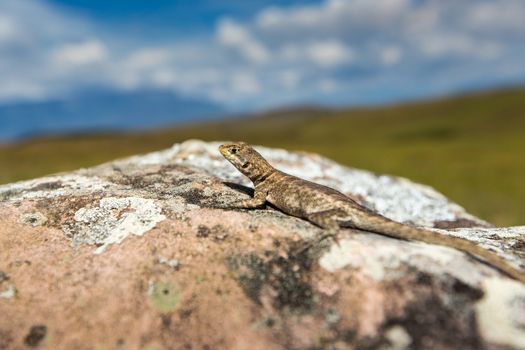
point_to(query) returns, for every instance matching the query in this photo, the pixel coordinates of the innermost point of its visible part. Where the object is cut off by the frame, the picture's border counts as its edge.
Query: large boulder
(137, 254)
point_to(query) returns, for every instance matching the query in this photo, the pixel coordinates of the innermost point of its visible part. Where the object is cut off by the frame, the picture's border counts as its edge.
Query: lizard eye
(234, 150)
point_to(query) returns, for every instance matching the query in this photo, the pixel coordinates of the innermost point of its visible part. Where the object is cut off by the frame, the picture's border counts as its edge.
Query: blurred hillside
(471, 148)
(101, 109)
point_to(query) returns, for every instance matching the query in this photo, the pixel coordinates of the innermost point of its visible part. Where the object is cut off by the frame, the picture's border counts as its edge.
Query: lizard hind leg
(327, 220)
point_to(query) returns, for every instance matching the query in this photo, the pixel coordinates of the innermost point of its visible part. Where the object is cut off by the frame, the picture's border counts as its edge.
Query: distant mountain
(102, 110)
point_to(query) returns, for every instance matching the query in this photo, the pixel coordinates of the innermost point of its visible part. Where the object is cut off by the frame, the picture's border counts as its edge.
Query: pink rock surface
(134, 254)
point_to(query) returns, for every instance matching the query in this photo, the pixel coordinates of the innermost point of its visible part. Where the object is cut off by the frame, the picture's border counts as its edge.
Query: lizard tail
(395, 229)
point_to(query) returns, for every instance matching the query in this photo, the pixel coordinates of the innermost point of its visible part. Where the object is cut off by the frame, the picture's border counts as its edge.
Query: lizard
(332, 210)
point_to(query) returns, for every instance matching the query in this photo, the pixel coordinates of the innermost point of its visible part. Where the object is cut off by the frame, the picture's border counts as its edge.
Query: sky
(260, 54)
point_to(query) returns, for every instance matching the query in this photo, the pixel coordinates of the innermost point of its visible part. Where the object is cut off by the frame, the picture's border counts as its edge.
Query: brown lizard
(332, 210)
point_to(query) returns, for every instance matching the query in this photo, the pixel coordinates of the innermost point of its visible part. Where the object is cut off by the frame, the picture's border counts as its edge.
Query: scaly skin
(331, 210)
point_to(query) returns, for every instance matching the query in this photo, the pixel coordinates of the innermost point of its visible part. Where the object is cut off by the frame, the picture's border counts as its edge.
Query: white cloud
(21, 89)
(233, 35)
(145, 67)
(332, 16)
(148, 58)
(28, 32)
(391, 55)
(290, 79)
(328, 85)
(164, 78)
(457, 45)
(291, 52)
(79, 54)
(506, 17)
(330, 53)
(202, 78)
(245, 83)
(323, 54)
(275, 18)
(7, 29)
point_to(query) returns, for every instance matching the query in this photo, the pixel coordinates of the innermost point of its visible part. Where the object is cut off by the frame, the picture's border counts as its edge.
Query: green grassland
(471, 148)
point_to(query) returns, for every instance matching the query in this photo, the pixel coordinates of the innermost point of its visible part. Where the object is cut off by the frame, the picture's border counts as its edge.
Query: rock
(134, 254)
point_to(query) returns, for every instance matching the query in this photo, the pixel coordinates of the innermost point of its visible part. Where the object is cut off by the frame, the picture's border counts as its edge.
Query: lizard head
(247, 160)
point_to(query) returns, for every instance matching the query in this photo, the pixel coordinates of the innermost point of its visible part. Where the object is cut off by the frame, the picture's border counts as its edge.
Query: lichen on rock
(112, 221)
(33, 219)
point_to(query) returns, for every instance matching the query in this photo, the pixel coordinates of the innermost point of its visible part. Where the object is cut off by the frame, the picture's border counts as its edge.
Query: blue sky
(167, 16)
(261, 54)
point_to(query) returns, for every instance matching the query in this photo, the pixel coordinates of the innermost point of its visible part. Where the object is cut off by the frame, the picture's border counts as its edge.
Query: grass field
(471, 148)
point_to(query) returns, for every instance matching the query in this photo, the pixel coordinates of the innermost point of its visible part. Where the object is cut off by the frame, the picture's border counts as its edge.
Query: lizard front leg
(258, 201)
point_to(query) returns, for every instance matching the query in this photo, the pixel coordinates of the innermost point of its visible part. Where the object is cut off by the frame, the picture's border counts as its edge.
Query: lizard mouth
(231, 153)
(224, 150)
(229, 149)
